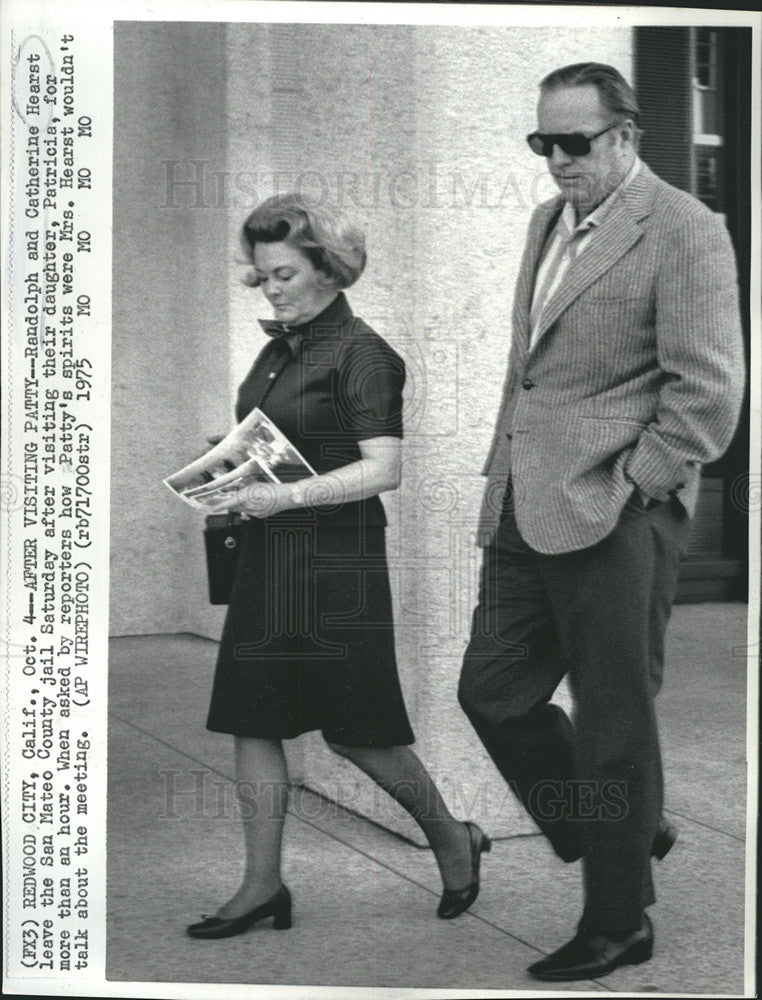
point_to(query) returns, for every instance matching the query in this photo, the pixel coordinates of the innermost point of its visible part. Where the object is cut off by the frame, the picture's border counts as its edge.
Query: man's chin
(578, 191)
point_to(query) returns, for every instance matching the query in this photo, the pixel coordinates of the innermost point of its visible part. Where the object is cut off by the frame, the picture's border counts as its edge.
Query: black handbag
(223, 536)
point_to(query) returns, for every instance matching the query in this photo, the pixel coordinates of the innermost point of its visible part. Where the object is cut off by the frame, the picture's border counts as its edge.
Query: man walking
(625, 375)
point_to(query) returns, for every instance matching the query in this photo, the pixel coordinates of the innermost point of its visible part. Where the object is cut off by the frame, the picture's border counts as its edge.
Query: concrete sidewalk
(364, 899)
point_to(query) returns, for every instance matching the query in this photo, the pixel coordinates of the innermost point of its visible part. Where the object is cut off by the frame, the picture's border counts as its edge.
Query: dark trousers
(592, 784)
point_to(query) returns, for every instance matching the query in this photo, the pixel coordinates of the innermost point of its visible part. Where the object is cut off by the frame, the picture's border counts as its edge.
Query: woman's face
(296, 290)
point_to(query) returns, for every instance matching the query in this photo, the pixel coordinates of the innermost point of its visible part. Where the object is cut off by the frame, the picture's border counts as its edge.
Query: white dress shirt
(567, 242)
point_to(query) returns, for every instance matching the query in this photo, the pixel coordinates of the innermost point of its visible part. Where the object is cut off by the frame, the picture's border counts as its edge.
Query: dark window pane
(708, 177)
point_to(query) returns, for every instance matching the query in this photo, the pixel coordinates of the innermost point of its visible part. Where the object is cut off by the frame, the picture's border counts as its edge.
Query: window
(708, 124)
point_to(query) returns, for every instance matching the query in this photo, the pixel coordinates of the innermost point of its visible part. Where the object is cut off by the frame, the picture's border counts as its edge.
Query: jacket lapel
(522, 299)
(617, 235)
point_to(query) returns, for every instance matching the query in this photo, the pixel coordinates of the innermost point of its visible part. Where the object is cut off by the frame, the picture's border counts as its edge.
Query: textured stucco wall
(170, 344)
(419, 132)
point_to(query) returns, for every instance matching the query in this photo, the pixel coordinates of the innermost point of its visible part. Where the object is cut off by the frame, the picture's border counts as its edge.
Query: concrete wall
(419, 132)
(171, 342)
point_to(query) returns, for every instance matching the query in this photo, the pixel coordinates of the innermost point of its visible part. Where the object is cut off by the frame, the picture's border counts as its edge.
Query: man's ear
(628, 131)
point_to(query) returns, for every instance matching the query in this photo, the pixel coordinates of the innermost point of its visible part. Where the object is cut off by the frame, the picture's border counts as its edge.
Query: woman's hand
(262, 500)
(213, 440)
(379, 470)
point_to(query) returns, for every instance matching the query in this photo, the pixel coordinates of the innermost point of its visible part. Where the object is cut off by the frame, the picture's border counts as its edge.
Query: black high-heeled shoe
(455, 901)
(279, 908)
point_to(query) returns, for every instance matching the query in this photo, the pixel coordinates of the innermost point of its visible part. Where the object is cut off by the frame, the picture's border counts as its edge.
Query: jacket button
(509, 436)
(527, 383)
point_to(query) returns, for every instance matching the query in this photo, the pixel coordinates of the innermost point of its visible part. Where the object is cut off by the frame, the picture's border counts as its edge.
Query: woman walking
(308, 642)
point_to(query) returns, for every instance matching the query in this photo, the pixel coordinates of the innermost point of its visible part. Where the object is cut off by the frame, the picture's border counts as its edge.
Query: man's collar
(598, 214)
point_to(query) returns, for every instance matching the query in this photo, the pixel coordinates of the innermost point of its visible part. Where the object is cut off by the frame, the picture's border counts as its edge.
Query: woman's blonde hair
(333, 245)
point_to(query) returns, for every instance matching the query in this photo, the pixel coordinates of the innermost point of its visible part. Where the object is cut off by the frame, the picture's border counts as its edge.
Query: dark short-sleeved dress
(308, 641)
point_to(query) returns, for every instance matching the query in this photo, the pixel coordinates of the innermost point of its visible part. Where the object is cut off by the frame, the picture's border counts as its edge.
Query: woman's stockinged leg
(399, 771)
(262, 788)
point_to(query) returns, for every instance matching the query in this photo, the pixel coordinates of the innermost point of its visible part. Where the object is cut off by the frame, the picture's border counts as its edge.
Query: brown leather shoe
(589, 955)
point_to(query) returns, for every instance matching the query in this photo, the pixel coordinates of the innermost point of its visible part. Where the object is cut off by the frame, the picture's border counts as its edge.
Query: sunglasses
(571, 143)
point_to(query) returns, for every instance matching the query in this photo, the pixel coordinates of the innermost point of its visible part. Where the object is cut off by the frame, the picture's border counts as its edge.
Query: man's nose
(558, 158)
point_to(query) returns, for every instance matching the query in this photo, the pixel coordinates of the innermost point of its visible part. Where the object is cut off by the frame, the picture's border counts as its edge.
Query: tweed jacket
(637, 373)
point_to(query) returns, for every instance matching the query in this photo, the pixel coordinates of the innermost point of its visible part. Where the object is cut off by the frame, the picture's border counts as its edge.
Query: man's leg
(611, 603)
(510, 670)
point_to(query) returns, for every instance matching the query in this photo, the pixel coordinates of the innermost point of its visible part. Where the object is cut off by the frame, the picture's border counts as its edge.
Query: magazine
(255, 451)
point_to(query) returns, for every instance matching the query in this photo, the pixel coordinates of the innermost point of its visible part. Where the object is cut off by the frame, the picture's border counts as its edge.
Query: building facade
(419, 132)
